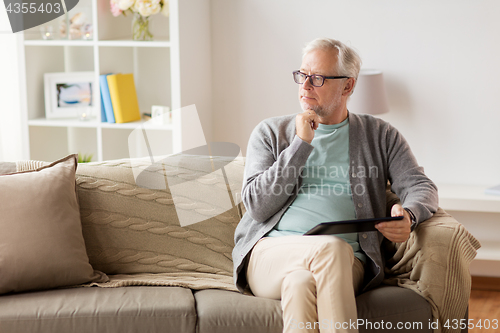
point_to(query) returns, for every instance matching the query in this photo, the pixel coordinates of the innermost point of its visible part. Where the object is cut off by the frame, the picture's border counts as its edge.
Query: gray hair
(348, 60)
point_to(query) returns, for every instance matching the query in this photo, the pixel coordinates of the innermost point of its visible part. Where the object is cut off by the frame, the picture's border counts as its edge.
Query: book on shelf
(106, 99)
(103, 113)
(495, 190)
(123, 97)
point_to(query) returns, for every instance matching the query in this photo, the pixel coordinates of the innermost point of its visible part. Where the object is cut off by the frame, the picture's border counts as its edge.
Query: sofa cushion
(41, 243)
(120, 310)
(221, 311)
(393, 305)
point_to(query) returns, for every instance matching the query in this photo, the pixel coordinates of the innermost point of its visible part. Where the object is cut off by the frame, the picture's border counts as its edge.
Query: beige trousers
(316, 278)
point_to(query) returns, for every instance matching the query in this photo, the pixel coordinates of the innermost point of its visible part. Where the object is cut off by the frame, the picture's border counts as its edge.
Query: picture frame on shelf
(69, 95)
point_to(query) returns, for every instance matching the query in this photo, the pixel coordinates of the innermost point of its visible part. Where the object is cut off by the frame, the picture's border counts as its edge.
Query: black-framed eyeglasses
(316, 80)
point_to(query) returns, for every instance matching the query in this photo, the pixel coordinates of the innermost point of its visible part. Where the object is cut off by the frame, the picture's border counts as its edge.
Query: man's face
(327, 99)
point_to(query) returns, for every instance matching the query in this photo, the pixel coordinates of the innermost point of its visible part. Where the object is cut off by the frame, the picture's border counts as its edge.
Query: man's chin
(307, 107)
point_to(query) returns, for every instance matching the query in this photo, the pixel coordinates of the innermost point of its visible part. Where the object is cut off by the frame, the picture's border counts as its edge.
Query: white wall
(440, 60)
(11, 134)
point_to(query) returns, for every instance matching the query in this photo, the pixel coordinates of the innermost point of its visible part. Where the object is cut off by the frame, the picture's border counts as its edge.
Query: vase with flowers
(142, 11)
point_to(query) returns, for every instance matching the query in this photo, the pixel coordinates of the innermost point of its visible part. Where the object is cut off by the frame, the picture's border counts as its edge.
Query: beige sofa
(164, 277)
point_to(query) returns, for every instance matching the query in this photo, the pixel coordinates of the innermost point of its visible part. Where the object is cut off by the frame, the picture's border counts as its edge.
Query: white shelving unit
(173, 70)
(480, 214)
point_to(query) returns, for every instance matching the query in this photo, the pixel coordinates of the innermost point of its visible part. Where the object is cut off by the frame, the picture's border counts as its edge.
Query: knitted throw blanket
(434, 262)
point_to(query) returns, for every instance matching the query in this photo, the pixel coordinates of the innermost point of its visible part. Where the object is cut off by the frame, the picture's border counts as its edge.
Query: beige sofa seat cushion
(221, 311)
(96, 310)
(41, 243)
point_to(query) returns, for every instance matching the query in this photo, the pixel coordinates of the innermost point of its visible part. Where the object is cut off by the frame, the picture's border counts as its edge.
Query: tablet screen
(349, 226)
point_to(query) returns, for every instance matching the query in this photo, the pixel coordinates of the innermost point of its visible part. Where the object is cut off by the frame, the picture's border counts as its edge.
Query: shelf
(489, 251)
(42, 122)
(146, 124)
(93, 123)
(58, 42)
(133, 43)
(470, 198)
(109, 43)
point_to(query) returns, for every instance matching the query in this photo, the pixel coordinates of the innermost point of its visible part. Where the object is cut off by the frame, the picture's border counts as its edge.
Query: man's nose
(307, 83)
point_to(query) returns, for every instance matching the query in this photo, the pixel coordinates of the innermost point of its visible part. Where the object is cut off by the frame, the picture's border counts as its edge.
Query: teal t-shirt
(325, 194)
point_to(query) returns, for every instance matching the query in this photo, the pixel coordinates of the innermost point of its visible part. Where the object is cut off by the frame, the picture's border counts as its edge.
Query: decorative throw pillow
(41, 241)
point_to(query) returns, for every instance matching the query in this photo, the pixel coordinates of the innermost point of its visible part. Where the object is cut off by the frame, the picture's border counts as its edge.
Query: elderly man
(324, 164)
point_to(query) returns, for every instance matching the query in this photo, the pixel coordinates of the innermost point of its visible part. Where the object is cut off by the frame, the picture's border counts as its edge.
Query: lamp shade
(369, 95)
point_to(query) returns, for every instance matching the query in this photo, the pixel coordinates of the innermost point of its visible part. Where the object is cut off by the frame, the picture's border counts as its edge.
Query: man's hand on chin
(305, 125)
(396, 231)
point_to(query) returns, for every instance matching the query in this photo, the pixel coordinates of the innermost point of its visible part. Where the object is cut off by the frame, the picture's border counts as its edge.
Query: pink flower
(147, 7)
(115, 10)
(165, 10)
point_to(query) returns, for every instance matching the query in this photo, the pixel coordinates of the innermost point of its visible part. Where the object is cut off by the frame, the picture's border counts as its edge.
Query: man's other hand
(396, 231)
(305, 125)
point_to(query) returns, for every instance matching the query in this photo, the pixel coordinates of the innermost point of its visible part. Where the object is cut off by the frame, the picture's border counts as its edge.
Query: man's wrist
(412, 218)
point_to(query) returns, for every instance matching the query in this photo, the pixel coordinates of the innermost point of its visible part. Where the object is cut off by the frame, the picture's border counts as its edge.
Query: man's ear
(349, 86)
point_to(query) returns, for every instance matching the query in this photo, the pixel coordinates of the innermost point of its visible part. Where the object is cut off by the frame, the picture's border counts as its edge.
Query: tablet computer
(345, 227)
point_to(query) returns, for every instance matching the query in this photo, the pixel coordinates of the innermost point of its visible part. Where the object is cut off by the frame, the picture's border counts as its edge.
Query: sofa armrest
(434, 262)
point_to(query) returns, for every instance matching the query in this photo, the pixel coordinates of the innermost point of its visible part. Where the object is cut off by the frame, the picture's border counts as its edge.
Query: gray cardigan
(377, 153)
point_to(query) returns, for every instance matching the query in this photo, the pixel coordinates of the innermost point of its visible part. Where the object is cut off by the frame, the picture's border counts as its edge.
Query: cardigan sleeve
(271, 175)
(408, 180)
